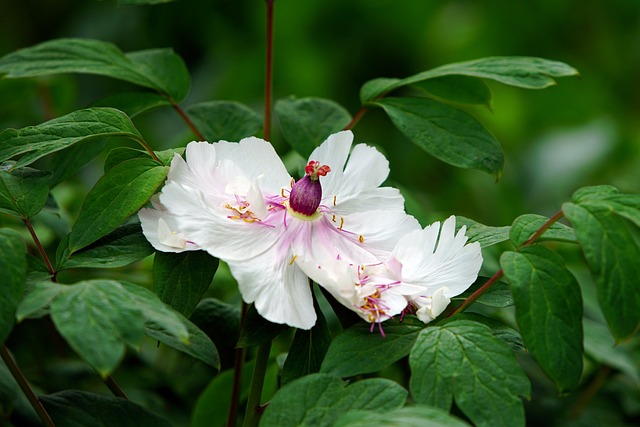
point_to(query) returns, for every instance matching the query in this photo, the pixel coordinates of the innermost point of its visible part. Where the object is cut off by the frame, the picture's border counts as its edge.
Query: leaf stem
(356, 118)
(237, 373)
(114, 387)
(43, 253)
(268, 78)
(148, 149)
(489, 283)
(25, 387)
(187, 120)
(252, 415)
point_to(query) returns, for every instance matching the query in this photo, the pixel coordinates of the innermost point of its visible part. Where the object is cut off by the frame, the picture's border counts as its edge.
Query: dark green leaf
(37, 300)
(445, 132)
(23, 191)
(320, 400)
(9, 392)
(548, 311)
(13, 265)
(221, 322)
(120, 193)
(122, 154)
(97, 318)
(499, 295)
(409, 416)
(134, 103)
(526, 225)
(68, 162)
(307, 122)
(485, 234)
(225, 120)
(357, 350)
(80, 409)
(594, 193)
(611, 247)
(124, 245)
(463, 359)
(34, 142)
(519, 71)
(307, 350)
(180, 279)
(157, 69)
(257, 330)
(171, 328)
(139, 2)
(458, 89)
(505, 333)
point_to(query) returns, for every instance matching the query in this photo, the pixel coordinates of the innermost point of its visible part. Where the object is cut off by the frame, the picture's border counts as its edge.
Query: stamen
(333, 218)
(335, 200)
(293, 258)
(293, 181)
(361, 238)
(341, 224)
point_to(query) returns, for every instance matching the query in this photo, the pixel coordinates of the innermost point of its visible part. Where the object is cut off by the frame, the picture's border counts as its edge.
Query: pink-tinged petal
(333, 152)
(202, 159)
(435, 262)
(258, 161)
(208, 225)
(278, 288)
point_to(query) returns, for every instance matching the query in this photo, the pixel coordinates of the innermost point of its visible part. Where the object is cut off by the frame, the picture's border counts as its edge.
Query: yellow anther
(335, 200)
(361, 238)
(333, 218)
(293, 181)
(293, 258)
(341, 223)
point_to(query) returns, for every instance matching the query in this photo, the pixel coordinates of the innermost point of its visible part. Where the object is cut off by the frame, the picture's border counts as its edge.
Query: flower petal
(333, 152)
(450, 263)
(367, 168)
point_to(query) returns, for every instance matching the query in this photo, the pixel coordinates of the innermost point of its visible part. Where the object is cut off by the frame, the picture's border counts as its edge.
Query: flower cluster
(336, 226)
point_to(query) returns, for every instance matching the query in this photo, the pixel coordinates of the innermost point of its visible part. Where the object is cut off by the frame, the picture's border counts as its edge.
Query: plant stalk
(268, 78)
(25, 387)
(237, 374)
(252, 415)
(187, 120)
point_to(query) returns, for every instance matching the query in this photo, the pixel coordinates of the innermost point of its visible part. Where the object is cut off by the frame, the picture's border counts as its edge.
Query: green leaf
(463, 360)
(34, 142)
(221, 322)
(157, 69)
(357, 350)
(611, 247)
(97, 318)
(36, 302)
(139, 2)
(121, 154)
(548, 311)
(257, 330)
(124, 245)
(526, 225)
(320, 400)
(134, 103)
(71, 160)
(23, 191)
(445, 132)
(594, 193)
(13, 265)
(458, 89)
(485, 234)
(409, 416)
(519, 71)
(307, 350)
(172, 328)
(601, 347)
(71, 408)
(120, 193)
(180, 279)
(307, 122)
(506, 334)
(225, 120)
(499, 295)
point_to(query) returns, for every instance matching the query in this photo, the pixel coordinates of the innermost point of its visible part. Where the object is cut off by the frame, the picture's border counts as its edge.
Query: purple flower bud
(306, 193)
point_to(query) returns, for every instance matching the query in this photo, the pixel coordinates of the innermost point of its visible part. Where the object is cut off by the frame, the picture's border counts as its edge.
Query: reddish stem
(187, 121)
(356, 118)
(52, 271)
(268, 84)
(237, 374)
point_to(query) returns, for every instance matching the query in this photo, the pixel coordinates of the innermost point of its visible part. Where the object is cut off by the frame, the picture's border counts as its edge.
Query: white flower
(237, 202)
(439, 262)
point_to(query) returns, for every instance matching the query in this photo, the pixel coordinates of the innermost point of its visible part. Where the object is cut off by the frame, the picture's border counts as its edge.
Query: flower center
(306, 193)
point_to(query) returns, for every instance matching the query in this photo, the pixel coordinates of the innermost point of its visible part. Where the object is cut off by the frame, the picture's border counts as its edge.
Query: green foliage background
(583, 132)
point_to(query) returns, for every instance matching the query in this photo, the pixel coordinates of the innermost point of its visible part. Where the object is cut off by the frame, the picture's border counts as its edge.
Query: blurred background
(585, 131)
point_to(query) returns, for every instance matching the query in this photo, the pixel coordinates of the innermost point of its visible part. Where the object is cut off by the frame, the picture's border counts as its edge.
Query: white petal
(367, 168)
(258, 161)
(448, 263)
(434, 306)
(381, 198)
(160, 229)
(278, 288)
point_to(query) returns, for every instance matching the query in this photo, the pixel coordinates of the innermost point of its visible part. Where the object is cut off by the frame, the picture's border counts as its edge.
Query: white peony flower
(237, 202)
